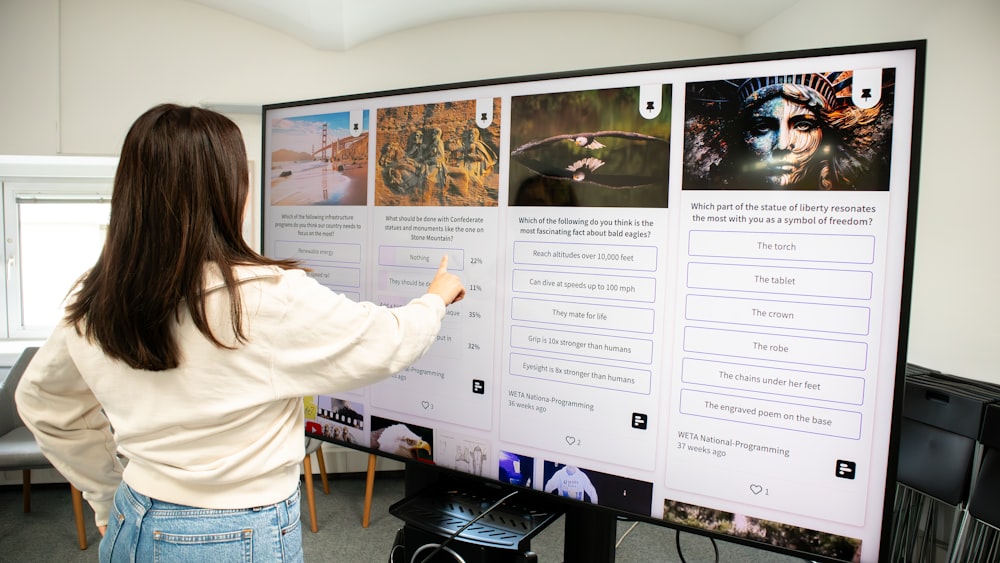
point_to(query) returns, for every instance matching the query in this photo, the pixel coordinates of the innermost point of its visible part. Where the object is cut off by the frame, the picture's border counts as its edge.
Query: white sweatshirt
(225, 429)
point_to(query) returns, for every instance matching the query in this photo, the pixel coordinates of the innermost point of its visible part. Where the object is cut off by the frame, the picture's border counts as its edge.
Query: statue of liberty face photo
(787, 132)
(783, 134)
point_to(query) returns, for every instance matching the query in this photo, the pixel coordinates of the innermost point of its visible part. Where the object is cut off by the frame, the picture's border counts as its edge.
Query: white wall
(116, 58)
(119, 57)
(29, 77)
(955, 321)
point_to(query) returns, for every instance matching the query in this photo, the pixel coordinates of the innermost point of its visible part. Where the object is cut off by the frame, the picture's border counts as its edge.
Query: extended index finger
(443, 268)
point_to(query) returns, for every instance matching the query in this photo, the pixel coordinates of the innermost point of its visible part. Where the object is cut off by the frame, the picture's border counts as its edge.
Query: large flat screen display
(688, 283)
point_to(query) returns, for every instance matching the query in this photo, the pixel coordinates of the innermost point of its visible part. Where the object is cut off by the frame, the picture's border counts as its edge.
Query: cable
(680, 553)
(438, 547)
(459, 531)
(677, 542)
(398, 543)
(627, 532)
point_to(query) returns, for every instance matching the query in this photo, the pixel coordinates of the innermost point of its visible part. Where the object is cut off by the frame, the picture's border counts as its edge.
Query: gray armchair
(18, 449)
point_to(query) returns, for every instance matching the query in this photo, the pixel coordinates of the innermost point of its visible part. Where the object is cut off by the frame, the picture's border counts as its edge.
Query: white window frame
(60, 178)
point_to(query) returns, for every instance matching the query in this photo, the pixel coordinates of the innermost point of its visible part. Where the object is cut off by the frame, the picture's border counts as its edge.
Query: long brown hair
(180, 191)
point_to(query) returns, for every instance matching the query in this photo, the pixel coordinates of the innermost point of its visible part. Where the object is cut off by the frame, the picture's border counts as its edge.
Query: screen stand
(589, 535)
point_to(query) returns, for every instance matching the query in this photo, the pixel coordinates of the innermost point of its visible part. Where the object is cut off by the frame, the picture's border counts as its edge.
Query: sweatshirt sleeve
(67, 421)
(329, 343)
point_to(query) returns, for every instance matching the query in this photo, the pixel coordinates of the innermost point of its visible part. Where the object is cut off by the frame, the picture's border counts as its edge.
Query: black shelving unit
(437, 506)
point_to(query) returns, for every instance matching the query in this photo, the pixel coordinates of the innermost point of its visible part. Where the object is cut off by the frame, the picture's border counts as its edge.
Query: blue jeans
(142, 529)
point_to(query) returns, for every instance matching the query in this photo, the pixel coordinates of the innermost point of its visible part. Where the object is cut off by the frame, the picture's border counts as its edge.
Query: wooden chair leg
(322, 469)
(26, 489)
(310, 495)
(369, 488)
(81, 528)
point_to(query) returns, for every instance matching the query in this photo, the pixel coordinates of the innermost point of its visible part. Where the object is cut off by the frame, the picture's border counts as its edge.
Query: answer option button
(828, 352)
(847, 249)
(590, 346)
(817, 317)
(588, 374)
(774, 381)
(765, 413)
(811, 282)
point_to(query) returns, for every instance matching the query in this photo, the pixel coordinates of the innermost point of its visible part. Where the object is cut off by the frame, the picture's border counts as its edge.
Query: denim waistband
(144, 503)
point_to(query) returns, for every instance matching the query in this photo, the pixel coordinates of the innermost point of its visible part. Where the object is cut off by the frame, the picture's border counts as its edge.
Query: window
(54, 233)
(55, 218)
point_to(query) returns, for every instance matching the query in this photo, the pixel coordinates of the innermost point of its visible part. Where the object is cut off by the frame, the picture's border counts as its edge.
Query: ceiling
(337, 25)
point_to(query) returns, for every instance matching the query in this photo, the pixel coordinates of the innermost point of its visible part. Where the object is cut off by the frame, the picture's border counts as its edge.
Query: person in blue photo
(572, 483)
(516, 469)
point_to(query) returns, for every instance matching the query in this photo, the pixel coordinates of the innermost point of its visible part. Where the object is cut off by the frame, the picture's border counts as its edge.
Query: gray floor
(47, 533)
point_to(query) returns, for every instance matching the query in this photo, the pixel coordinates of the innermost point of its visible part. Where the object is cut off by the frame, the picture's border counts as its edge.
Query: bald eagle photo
(400, 441)
(631, 160)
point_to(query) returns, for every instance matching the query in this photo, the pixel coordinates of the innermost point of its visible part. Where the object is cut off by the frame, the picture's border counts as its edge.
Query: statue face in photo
(783, 134)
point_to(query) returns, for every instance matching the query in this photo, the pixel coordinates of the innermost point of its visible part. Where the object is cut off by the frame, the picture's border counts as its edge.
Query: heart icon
(425, 404)
(571, 440)
(756, 489)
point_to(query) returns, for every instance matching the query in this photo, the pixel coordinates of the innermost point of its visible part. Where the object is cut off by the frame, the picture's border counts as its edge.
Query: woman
(188, 354)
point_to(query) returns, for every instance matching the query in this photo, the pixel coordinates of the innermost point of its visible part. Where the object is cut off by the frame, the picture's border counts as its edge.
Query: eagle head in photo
(403, 442)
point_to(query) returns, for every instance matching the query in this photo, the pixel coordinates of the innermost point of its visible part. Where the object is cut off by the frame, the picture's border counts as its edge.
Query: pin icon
(357, 118)
(866, 87)
(650, 97)
(484, 109)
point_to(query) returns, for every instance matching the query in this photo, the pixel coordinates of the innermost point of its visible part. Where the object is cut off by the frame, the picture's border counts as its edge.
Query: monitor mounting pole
(589, 535)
